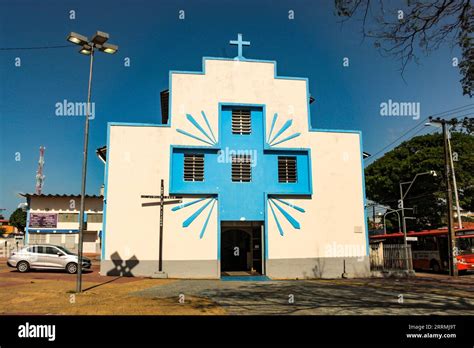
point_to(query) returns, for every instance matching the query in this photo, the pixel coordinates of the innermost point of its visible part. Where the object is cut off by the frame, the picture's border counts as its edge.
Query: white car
(46, 256)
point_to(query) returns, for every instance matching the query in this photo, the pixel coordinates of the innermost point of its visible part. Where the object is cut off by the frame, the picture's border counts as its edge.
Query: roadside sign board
(43, 220)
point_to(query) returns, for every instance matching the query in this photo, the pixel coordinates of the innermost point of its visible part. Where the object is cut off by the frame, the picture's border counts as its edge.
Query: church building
(249, 186)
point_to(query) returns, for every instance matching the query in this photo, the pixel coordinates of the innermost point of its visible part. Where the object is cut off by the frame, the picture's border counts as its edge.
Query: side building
(54, 219)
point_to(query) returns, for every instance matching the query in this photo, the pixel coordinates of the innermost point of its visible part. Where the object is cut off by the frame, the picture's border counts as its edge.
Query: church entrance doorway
(242, 251)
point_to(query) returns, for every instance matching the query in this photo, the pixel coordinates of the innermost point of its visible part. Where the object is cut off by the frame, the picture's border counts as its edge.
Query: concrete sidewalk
(328, 297)
(52, 292)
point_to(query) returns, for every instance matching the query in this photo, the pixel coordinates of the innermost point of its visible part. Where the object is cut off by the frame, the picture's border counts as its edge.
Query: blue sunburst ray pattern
(275, 117)
(209, 138)
(199, 211)
(272, 202)
(272, 141)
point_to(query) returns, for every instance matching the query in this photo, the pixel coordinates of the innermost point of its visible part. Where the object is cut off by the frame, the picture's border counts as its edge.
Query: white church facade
(252, 188)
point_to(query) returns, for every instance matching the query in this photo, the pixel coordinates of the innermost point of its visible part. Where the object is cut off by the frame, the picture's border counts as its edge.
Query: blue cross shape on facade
(239, 44)
(218, 174)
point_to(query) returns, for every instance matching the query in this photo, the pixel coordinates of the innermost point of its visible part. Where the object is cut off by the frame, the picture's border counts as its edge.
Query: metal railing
(389, 257)
(9, 246)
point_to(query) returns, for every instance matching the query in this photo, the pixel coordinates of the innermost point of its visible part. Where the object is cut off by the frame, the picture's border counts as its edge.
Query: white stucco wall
(138, 158)
(334, 217)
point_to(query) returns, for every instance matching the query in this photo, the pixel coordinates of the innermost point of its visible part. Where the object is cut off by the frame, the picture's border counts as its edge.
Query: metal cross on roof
(239, 44)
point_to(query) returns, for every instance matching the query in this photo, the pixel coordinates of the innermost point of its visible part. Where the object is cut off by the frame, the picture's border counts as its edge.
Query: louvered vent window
(241, 122)
(241, 168)
(193, 167)
(287, 169)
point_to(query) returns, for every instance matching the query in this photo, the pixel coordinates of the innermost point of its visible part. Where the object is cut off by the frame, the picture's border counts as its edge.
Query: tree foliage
(401, 30)
(18, 219)
(428, 193)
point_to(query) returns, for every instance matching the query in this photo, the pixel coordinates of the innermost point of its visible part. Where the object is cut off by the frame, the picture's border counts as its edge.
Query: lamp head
(108, 48)
(77, 39)
(100, 38)
(86, 49)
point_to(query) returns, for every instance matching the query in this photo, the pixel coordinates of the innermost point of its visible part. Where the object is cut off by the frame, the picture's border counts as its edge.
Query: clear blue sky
(156, 40)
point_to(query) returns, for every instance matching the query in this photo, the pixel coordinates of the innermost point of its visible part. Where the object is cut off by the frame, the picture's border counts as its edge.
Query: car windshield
(69, 252)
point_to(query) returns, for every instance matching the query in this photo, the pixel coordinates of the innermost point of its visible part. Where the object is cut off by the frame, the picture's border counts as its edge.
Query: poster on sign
(43, 220)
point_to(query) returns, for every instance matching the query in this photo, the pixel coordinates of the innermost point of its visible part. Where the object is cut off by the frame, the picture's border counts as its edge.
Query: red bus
(430, 248)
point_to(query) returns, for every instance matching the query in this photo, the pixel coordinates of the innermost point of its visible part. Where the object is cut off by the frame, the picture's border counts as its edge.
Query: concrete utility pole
(404, 227)
(452, 252)
(455, 186)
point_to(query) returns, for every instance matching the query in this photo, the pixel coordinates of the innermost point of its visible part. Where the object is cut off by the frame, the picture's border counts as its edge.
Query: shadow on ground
(368, 296)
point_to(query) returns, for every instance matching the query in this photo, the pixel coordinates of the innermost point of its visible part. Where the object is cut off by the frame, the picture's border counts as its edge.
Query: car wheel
(435, 266)
(71, 268)
(23, 266)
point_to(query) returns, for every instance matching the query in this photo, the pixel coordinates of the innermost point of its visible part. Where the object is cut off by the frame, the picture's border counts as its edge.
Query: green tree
(427, 195)
(18, 219)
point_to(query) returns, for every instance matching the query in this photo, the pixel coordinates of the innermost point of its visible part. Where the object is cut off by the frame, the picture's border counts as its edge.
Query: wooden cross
(162, 197)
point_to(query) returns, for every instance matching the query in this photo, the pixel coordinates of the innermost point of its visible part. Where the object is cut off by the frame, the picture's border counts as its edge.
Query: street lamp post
(88, 47)
(389, 212)
(402, 208)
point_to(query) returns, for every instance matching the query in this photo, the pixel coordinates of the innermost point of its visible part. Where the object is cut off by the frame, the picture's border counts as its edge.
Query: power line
(32, 48)
(465, 115)
(444, 113)
(455, 110)
(382, 203)
(396, 140)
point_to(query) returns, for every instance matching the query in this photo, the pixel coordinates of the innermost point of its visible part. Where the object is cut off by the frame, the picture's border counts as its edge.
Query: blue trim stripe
(287, 138)
(218, 237)
(364, 199)
(290, 205)
(27, 233)
(282, 129)
(273, 125)
(208, 126)
(106, 186)
(130, 124)
(193, 136)
(246, 278)
(276, 219)
(335, 130)
(191, 119)
(265, 231)
(43, 230)
(198, 212)
(290, 218)
(207, 219)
